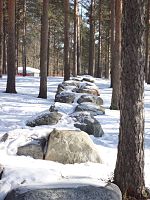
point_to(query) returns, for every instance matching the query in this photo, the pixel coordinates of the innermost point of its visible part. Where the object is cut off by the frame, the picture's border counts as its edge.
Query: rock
(87, 123)
(51, 118)
(88, 88)
(91, 108)
(4, 137)
(35, 149)
(71, 83)
(1, 171)
(71, 146)
(77, 193)
(90, 98)
(88, 79)
(65, 97)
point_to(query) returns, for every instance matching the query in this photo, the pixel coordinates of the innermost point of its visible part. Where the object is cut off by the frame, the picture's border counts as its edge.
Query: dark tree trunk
(99, 63)
(48, 49)
(66, 41)
(115, 101)
(24, 40)
(92, 41)
(1, 36)
(129, 171)
(75, 38)
(147, 72)
(78, 46)
(11, 70)
(43, 51)
(112, 39)
(4, 38)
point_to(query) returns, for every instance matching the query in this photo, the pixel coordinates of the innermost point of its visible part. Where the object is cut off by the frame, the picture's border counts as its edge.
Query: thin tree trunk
(115, 101)
(43, 51)
(147, 72)
(24, 40)
(66, 41)
(75, 38)
(48, 50)
(78, 46)
(129, 171)
(4, 38)
(11, 70)
(112, 40)
(1, 36)
(92, 41)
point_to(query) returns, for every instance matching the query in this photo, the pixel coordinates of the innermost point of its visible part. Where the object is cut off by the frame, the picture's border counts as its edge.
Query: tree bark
(11, 70)
(66, 41)
(1, 36)
(129, 171)
(4, 39)
(91, 68)
(78, 45)
(75, 37)
(115, 101)
(43, 51)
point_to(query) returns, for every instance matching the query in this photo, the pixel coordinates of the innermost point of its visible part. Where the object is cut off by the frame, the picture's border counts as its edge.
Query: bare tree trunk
(112, 39)
(24, 40)
(48, 50)
(11, 70)
(78, 46)
(4, 38)
(92, 41)
(129, 171)
(99, 63)
(115, 101)
(147, 45)
(43, 51)
(75, 38)
(66, 41)
(1, 36)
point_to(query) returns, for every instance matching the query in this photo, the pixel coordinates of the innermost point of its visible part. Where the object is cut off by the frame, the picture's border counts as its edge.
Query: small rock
(65, 97)
(90, 98)
(4, 137)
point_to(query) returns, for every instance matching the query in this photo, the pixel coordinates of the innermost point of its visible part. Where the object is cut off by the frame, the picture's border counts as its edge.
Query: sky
(16, 109)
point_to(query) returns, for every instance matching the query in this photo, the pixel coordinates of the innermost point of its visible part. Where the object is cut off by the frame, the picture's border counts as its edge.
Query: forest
(95, 42)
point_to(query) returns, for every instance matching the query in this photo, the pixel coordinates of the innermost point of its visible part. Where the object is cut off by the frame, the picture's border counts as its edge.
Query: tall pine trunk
(43, 51)
(11, 70)
(1, 36)
(75, 38)
(129, 171)
(147, 68)
(66, 41)
(78, 45)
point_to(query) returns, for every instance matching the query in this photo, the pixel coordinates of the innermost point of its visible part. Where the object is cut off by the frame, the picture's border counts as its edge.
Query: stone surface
(91, 108)
(4, 137)
(89, 88)
(50, 118)
(1, 171)
(65, 97)
(79, 193)
(35, 149)
(90, 98)
(86, 122)
(70, 146)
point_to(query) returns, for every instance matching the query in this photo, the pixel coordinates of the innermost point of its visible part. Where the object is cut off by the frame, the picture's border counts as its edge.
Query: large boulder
(50, 118)
(71, 146)
(109, 192)
(91, 108)
(65, 97)
(90, 98)
(35, 149)
(88, 88)
(87, 123)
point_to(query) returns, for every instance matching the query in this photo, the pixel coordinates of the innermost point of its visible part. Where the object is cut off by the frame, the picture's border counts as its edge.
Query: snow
(29, 70)
(16, 109)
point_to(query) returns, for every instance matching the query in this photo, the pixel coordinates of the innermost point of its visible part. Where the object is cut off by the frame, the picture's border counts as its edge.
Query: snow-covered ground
(15, 109)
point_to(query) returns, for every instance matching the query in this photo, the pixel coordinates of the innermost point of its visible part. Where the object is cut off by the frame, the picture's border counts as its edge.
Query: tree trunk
(4, 38)
(147, 72)
(43, 51)
(24, 40)
(99, 63)
(92, 41)
(129, 171)
(11, 70)
(48, 49)
(78, 46)
(112, 39)
(75, 37)
(1, 36)
(115, 101)
(66, 41)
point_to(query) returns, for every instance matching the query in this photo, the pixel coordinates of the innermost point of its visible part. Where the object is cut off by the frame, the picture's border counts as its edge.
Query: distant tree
(129, 171)
(66, 41)
(11, 70)
(91, 68)
(115, 100)
(1, 35)
(43, 51)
